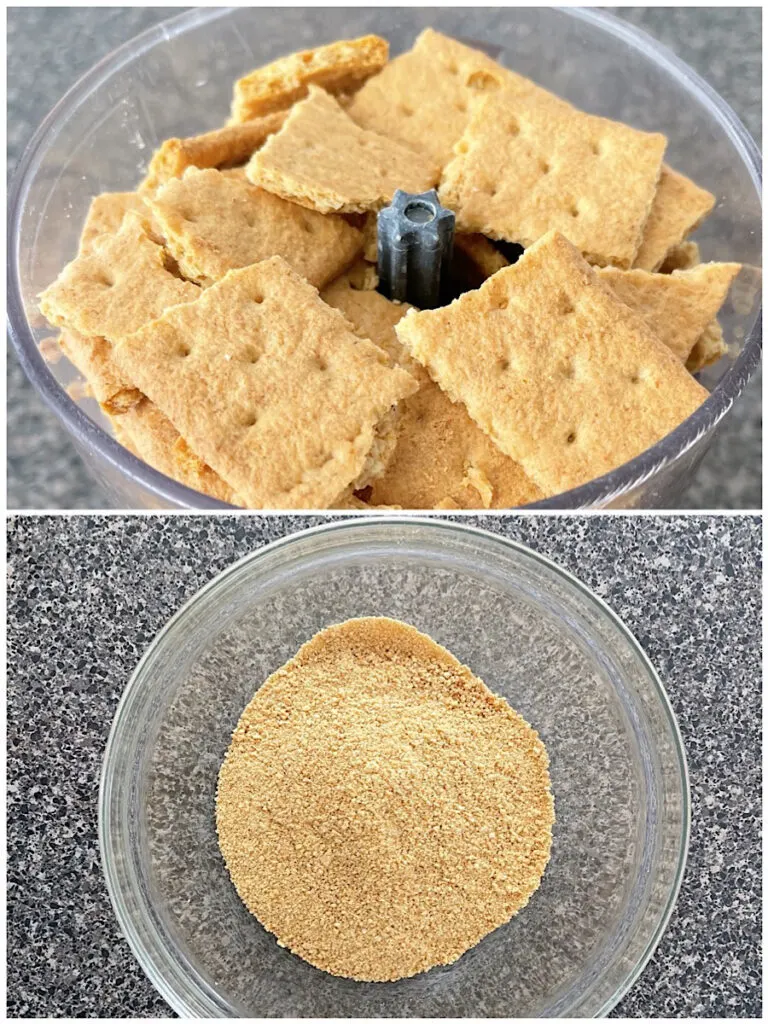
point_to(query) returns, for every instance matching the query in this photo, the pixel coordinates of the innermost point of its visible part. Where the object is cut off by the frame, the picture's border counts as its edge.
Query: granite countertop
(49, 48)
(88, 594)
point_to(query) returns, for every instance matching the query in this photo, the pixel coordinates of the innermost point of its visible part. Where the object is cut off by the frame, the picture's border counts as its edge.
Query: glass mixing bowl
(536, 636)
(176, 80)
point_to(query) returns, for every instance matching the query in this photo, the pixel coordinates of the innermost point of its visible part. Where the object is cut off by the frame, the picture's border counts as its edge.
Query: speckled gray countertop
(87, 595)
(49, 48)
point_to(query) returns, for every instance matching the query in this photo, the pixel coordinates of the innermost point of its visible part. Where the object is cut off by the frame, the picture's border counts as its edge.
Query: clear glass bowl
(536, 636)
(176, 79)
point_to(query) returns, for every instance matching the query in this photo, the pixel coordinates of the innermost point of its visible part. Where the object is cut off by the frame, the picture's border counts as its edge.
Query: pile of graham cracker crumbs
(225, 314)
(379, 809)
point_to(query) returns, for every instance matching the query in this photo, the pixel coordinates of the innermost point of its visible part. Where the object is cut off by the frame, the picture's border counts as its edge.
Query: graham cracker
(93, 358)
(233, 144)
(153, 438)
(116, 287)
(268, 385)
(238, 173)
(439, 453)
(214, 223)
(322, 160)
(475, 259)
(525, 166)
(338, 67)
(423, 97)
(677, 307)
(561, 375)
(443, 457)
(681, 257)
(678, 208)
(107, 212)
(709, 348)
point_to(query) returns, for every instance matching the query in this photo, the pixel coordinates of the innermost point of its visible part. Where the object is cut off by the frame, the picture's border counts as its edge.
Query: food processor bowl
(176, 80)
(537, 637)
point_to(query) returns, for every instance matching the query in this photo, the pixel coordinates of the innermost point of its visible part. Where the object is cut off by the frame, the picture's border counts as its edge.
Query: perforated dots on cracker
(322, 160)
(117, 286)
(563, 377)
(215, 222)
(526, 165)
(270, 387)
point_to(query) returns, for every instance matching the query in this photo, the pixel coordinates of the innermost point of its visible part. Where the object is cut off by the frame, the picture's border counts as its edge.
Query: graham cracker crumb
(379, 810)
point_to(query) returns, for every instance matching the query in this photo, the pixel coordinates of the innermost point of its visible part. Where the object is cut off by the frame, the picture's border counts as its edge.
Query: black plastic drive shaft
(415, 248)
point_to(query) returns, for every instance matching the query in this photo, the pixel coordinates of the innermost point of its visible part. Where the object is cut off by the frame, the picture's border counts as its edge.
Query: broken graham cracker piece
(678, 208)
(154, 439)
(93, 358)
(214, 223)
(269, 386)
(338, 67)
(439, 453)
(561, 375)
(234, 144)
(677, 307)
(475, 259)
(525, 166)
(322, 160)
(375, 783)
(709, 348)
(442, 456)
(423, 97)
(107, 212)
(118, 286)
(112, 290)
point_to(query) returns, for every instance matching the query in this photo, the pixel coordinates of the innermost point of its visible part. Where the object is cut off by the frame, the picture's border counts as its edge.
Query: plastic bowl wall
(176, 80)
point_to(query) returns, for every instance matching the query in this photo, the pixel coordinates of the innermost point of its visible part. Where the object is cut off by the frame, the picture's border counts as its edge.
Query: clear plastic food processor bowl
(176, 80)
(536, 636)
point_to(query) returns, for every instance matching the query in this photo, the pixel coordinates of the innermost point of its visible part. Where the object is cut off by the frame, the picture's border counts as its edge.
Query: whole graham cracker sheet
(268, 385)
(322, 160)
(214, 223)
(338, 67)
(561, 375)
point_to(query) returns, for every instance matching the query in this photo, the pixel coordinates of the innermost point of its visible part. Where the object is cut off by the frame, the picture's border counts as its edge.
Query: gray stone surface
(48, 49)
(87, 595)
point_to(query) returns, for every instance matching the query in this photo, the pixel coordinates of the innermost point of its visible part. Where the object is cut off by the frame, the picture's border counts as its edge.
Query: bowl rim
(131, 697)
(596, 493)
